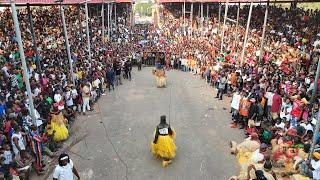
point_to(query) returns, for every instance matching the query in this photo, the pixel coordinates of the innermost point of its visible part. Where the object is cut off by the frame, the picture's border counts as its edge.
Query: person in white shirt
(307, 125)
(68, 97)
(235, 103)
(314, 165)
(279, 124)
(57, 96)
(17, 141)
(65, 169)
(269, 95)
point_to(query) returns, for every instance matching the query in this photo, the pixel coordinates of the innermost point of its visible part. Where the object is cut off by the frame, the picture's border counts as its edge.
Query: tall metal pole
(111, 22)
(207, 14)
(199, 9)
(102, 28)
(115, 14)
(219, 18)
(315, 88)
(246, 35)
(237, 27)
(224, 24)
(263, 31)
(23, 59)
(184, 17)
(88, 33)
(315, 134)
(191, 18)
(108, 17)
(132, 13)
(67, 42)
(35, 49)
(201, 18)
(79, 19)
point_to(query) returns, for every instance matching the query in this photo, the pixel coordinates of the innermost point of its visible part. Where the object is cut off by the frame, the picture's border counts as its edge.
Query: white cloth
(96, 83)
(183, 62)
(269, 96)
(57, 98)
(64, 172)
(7, 155)
(257, 156)
(36, 91)
(235, 103)
(74, 93)
(69, 98)
(20, 143)
(316, 172)
(281, 125)
(307, 127)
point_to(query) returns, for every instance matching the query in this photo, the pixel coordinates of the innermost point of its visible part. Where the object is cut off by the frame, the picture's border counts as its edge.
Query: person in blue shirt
(110, 78)
(3, 109)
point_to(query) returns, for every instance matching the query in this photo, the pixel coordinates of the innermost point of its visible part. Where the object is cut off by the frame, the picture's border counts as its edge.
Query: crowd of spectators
(27, 143)
(272, 97)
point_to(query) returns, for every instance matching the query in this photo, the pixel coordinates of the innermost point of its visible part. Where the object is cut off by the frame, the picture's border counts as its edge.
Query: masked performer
(57, 128)
(160, 77)
(163, 146)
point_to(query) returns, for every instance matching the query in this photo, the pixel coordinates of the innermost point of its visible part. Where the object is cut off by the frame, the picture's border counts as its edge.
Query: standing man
(117, 69)
(127, 69)
(139, 61)
(86, 98)
(221, 87)
(36, 147)
(110, 78)
(65, 169)
(17, 141)
(276, 105)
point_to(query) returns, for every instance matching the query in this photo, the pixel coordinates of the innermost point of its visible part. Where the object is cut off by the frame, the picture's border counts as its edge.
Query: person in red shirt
(276, 105)
(296, 110)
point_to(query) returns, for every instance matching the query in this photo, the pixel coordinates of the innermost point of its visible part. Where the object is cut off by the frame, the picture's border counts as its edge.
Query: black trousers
(220, 93)
(128, 75)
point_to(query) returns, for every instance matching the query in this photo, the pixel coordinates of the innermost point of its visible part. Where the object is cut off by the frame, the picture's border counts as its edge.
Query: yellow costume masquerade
(160, 78)
(58, 126)
(163, 145)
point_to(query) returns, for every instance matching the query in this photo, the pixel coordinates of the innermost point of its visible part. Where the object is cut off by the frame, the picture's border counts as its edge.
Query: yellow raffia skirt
(61, 132)
(165, 147)
(161, 81)
(244, 160)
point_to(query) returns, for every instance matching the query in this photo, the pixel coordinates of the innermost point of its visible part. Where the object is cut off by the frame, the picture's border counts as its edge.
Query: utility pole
(315, 134)
(23, 60)
(315, 88)
(102, 24)
(66, 40)
(246, 34)
(35, 48)
(224, 24)
(219, 18)
(201, 20)
(191, 18)
(108, 17)
(184, 17)
(88, 33)
(237, 27)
